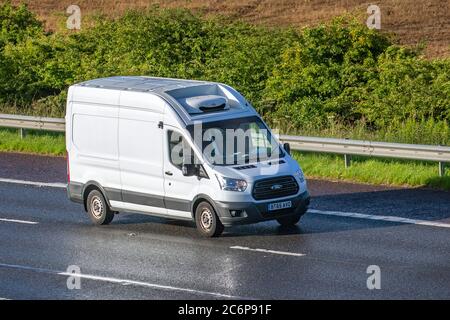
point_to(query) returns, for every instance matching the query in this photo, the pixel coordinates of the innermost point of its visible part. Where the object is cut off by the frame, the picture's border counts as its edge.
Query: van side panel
(140, 151)
(93, 134)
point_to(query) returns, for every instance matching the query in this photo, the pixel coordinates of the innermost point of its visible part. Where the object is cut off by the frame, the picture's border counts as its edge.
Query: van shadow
(417, 203)
(165, 226)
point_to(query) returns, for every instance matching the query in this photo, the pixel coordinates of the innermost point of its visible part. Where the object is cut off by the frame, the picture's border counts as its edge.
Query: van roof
(141, 83)
(180, 93)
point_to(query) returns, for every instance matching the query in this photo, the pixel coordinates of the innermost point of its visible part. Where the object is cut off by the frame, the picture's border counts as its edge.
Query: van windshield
(235, 141)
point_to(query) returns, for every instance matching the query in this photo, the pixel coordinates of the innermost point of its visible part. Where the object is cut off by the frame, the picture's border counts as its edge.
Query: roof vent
(208, 103)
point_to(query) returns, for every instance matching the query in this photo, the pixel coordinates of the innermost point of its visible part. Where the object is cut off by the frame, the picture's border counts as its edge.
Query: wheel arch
(200, 198)
(88, 187)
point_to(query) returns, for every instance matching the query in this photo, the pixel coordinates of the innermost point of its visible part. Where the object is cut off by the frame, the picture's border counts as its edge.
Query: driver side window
(175, 148)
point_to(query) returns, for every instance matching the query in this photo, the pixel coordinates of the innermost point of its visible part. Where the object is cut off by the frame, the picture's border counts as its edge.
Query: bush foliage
(340, 72)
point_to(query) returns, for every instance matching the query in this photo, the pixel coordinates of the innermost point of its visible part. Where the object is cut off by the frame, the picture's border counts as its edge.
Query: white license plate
(279, 205)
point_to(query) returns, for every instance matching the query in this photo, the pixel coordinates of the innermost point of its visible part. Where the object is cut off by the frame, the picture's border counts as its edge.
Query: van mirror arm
(201, 172)
(287, 148)
(189, 170)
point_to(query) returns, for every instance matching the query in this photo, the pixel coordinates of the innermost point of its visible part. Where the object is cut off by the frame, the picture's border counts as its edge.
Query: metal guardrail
(28, 122)
(345, 147)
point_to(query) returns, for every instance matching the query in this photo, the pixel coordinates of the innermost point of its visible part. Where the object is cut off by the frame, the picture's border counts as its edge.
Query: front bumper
(252, 212)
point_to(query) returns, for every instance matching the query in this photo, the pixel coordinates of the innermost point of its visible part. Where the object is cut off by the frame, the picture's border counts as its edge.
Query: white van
(179, 149)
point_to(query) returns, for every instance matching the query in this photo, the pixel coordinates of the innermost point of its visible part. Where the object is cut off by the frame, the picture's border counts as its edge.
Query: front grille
(267, 188)
(250, 166)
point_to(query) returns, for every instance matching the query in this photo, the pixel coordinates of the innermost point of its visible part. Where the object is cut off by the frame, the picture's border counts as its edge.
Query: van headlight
(299, 174)
(231, 184)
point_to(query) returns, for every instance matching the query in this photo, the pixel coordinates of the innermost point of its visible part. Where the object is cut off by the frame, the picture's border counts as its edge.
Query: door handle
(169, 173)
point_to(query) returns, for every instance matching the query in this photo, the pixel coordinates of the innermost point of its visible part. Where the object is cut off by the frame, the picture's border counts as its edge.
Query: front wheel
(289, 221)
(98, 208)
(292, 220)
(208, 224)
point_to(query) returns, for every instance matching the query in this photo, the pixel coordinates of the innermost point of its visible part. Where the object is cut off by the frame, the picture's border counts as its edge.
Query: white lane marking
(18, 221)
(330, 213)
(35, 183)
(122, 281)
(382, 218)
(269, 251)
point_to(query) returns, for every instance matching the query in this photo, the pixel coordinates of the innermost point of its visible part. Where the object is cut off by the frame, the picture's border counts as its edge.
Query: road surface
(44, 237)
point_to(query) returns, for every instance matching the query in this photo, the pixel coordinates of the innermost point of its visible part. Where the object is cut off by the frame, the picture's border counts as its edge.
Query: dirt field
(412, 21)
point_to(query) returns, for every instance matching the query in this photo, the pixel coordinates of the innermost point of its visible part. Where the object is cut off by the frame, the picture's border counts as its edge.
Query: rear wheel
(98, 209)
(207, 221)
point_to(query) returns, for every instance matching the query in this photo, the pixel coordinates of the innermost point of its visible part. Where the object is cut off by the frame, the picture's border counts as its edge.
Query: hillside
(412, 21)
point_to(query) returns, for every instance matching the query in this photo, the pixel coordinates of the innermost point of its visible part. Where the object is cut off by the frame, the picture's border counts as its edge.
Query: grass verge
(33, 142)
(328, 166)
(373, 170)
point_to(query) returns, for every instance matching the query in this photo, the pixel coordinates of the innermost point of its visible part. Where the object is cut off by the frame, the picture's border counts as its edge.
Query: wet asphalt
(141, 257)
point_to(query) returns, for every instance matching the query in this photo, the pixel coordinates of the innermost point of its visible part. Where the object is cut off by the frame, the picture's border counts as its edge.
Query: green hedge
(340, 73)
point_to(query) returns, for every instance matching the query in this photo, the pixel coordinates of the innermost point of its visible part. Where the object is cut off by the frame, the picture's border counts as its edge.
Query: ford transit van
(180, 149)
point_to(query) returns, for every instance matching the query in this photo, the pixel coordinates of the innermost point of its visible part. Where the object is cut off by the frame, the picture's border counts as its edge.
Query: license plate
(279, 205)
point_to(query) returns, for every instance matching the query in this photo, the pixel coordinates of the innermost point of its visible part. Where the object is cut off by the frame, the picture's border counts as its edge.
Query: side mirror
(287, 148)
(189, 170)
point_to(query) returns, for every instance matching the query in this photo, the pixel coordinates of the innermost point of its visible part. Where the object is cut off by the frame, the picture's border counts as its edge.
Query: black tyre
(98, 209)
(208, 224)
(291, 220)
